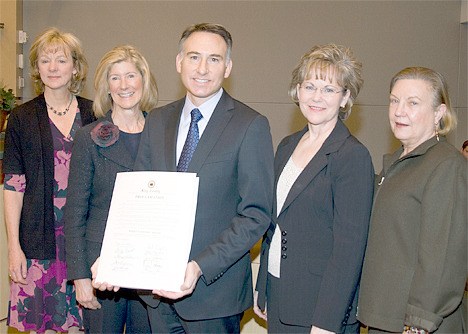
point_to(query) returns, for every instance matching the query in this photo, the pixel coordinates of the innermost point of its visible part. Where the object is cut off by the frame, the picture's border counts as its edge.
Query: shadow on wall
(355, 119)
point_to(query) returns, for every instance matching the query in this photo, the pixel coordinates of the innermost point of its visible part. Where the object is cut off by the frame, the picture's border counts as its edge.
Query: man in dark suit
(234, 163)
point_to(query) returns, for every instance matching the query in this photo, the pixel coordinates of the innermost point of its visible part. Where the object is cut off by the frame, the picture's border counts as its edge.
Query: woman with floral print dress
(38, 143)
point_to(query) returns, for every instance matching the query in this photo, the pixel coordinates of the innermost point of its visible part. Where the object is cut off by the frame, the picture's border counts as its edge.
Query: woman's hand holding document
(149, 231)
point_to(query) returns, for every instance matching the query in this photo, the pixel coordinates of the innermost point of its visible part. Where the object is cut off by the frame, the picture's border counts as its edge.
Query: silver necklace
(61, 113)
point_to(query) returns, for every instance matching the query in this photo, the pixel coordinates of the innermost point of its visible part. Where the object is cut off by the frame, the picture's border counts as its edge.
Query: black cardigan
(29, 150)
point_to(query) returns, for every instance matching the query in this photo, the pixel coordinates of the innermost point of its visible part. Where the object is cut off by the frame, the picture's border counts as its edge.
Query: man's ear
(227, 72)
(179, 59)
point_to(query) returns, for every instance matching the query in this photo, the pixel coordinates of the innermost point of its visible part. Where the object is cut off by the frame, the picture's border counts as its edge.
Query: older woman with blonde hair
(125, 91)
(39, 139)
(416, 260)
(312, 254)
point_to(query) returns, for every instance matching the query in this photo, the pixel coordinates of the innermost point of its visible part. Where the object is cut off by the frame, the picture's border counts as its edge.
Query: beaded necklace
(61, 113)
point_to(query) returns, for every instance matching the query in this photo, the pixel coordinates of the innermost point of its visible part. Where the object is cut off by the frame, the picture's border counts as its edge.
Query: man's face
(202, 65)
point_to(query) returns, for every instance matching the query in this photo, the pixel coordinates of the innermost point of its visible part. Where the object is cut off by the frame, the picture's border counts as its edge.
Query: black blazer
(93, 170)
(324, 223)
(29, 150)
(234, 163)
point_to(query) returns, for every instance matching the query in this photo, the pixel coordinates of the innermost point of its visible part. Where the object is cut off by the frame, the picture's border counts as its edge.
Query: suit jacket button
(284, 248)
(284, 240)
(284, 256)
(284, 233)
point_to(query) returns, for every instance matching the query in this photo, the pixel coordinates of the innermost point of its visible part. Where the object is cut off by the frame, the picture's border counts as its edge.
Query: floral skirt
(46, 302)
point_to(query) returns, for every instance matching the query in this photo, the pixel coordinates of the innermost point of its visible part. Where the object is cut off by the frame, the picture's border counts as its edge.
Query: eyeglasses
(325, 91)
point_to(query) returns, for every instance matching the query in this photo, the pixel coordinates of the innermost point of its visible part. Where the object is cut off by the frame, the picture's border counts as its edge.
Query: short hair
(330, 61)
(102, 99)
(465, 144)
(439, 88)
(208, 27)
(53, 40)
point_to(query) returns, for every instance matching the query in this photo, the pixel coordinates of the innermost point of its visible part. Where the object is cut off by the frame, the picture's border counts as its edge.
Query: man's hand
(192, 274)
(101, 286)
(257, 310)
(85, 294)
(317, 330)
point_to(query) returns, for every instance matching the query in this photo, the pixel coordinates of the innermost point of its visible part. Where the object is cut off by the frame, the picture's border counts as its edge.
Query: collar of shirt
(206, 110)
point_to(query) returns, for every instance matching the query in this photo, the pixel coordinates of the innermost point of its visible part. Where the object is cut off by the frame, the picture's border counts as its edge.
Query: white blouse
(286, 180)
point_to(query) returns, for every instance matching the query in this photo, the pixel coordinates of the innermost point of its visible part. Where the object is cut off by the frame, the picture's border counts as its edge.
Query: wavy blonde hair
(54, 40)
(102, 100)
(330, 61)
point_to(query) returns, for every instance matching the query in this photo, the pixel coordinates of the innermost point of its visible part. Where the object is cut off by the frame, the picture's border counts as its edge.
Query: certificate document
(149, 230)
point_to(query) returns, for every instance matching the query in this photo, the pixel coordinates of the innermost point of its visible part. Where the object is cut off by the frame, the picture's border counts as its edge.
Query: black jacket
(324, 223)
(93, 170)
(29, 150)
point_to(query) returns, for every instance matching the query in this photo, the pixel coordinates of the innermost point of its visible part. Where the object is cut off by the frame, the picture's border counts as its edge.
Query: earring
(436, 131)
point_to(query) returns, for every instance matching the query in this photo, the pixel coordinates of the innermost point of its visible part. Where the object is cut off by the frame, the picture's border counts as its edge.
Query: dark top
(234, 163)
(324, 223)
(131, 141)
(415, 266)
(93, 170)
(29, 150)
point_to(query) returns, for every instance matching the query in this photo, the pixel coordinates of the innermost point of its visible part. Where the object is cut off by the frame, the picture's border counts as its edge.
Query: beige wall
(269, 38)
(8, 44)
(11, 14)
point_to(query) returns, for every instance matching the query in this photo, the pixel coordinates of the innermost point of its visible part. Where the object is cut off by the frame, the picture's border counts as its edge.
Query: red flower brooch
(105, 134)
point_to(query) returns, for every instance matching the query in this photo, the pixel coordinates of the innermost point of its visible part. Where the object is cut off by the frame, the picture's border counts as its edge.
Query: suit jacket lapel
(318, 162)
(170, 138)
(214, 129)
(118, 152)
